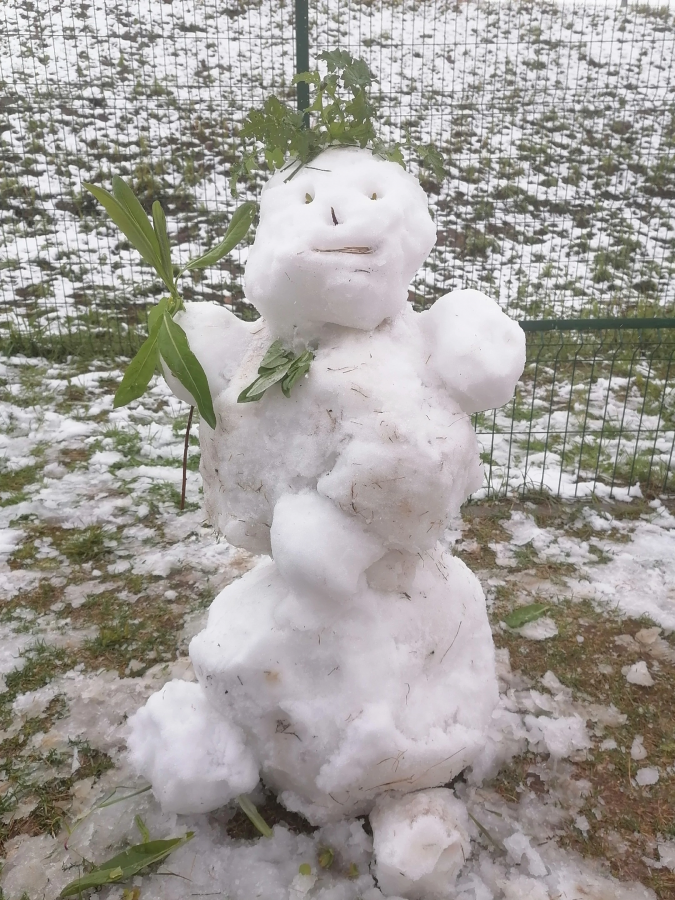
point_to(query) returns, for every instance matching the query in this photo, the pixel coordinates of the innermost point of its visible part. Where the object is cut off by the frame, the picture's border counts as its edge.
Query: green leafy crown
(282, 136)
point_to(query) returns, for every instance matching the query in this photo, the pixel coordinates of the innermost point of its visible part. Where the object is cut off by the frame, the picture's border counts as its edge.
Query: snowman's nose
(335, 219)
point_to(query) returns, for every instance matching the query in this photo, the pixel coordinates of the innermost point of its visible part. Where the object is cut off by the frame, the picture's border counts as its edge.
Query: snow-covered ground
(103, 581)
(556, 120)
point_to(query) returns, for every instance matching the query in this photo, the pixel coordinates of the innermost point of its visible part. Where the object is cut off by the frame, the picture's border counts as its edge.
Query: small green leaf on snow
(299, 368)
(176, 353)
(260, 385)
(276, 354)
(125, 865)
(525, 614)
(143, 828)
(326, 857)
(156, 314)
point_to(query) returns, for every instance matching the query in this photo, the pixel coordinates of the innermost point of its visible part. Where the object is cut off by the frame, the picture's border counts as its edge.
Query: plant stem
(185, 458)
(254, 816)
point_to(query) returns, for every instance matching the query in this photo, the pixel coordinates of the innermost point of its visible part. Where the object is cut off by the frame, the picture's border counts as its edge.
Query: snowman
(352, 669)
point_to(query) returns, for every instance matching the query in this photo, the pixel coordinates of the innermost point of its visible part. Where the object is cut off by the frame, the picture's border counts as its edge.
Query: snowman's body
(359, 659)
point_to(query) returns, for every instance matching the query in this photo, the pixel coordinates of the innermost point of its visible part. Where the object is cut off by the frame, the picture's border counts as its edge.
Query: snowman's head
(338, 243)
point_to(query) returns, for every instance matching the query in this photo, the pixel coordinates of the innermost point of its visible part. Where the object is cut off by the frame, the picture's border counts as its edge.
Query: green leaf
(238, 229)
(159, 220)
(336, 59)
(139, 372)
(141, 368)
(305, 869)
(326, 857)
(126, 865)
(525, 614)
(276, 354)
(260, 385)
(176, 353)
(299, 368)
(142, 827)
(356, 75)
(307, 78)
(431, 158)
(127, 199)
(156, 313)
(127, 225)
(249, 809)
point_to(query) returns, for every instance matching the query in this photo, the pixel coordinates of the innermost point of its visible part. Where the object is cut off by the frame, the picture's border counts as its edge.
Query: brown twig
(185, 456)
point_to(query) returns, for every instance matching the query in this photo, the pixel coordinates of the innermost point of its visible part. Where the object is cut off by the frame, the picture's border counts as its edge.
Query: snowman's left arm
(218, 339)
(478, 351)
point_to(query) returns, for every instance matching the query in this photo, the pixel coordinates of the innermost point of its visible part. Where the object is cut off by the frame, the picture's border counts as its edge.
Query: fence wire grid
(556, 120)
(593, 414)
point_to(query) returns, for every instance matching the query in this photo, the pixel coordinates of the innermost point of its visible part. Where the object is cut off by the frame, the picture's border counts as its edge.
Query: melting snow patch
(637, 751)
(560, 737)
(539, 630)
(638, 673)
(647, 776)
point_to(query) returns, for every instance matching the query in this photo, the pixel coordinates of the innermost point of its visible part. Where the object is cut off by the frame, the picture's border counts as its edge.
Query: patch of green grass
(147, 631)
(19, 478)
(41, 663)
(86, 545)
(79, 545)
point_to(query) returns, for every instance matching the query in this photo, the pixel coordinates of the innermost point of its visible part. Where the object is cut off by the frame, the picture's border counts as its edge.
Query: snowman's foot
(195, 759)
(319, 550)
(421, 842)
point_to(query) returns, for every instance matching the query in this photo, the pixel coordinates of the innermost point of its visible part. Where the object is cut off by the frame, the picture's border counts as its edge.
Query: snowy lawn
(555, 118)
(104, 581)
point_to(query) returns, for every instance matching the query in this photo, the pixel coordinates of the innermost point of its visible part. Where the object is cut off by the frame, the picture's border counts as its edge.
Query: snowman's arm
(218, 339)
(319, 549)
(478, 351)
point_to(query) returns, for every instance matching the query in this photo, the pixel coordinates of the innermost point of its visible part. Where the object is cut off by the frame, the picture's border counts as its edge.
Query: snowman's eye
(374, 197)
(308, 198)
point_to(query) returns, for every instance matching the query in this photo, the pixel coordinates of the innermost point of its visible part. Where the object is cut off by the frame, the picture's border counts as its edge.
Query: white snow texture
(359, 659)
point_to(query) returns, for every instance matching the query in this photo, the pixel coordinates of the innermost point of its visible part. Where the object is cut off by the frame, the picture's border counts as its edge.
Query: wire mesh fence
(593, 413)
(556, 121)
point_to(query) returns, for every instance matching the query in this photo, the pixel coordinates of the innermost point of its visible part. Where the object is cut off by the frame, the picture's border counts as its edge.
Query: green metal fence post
(302, 53)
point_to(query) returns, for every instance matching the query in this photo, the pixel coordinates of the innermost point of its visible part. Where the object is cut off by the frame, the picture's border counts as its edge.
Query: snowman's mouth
(361, 251)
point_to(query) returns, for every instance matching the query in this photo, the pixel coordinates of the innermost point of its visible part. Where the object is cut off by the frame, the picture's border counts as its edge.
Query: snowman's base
(334, 703)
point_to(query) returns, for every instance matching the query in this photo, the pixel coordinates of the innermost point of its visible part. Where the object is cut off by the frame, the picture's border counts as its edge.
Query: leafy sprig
(279, 133)
(126, 864)
(166, 339)
(278, 365)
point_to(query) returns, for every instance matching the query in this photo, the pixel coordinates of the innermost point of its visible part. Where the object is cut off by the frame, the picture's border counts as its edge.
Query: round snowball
(195, 759)
(421, 842)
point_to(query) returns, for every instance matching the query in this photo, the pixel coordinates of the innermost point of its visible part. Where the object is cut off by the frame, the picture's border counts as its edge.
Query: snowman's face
(338, 243)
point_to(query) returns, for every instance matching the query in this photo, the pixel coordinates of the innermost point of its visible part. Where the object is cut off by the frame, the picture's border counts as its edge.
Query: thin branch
(185, 458)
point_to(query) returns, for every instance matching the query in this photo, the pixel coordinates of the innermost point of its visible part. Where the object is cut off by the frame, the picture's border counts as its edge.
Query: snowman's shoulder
(218, 339)
(478, 351)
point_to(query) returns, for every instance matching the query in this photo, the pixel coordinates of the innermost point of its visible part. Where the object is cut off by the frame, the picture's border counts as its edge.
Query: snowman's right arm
(478, 351)
(218, 339)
